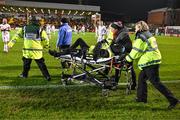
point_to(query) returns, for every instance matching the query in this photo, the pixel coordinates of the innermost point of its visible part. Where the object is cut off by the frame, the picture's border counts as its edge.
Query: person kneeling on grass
(145, 49)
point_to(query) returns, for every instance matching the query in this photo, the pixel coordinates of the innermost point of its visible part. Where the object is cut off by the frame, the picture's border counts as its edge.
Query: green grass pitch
(82, 102)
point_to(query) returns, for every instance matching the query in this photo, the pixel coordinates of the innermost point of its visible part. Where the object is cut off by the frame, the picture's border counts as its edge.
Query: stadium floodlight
(35, 10)
(12, 9)
(76, 13)
(20, 10)
(5, 8)
(49, 11)
(69, 12)
(82, 13)
(62, 12)
(42, 11)
(28, 10)
(89, 13)
(55, 11)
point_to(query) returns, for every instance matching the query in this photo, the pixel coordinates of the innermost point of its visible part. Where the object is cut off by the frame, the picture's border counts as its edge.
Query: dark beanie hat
(64, 20)
(117, 25)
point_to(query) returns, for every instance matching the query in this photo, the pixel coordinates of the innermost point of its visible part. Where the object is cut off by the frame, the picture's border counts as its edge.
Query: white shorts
(5, 36)
(100, 38)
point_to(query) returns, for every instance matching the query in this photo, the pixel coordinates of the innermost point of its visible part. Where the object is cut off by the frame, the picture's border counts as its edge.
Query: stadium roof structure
(165, 9)
(13, 6)
(159, 10)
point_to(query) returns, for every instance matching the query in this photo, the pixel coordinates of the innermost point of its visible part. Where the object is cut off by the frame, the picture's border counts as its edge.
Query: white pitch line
(57, 86)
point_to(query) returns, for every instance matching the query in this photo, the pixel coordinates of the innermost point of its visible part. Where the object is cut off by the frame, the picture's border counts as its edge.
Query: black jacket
(123, 39)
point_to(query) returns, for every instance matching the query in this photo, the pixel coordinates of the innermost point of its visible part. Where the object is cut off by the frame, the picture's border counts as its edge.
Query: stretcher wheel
(129, 82)
(128, 91)
(64, 82)
(105, 92)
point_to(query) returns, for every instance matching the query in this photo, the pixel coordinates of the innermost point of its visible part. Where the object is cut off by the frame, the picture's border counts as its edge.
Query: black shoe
(22, 76)
(133, 87)
(48, 78)
(173, 104)
(114, 86)
(139, 100)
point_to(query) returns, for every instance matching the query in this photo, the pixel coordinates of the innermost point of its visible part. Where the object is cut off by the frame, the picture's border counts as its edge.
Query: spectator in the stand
(78, 29)
(156, 31)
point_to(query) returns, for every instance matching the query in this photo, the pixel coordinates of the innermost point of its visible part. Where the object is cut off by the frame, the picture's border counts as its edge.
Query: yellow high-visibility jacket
(146, 49)
(105, 44)
(35, 39)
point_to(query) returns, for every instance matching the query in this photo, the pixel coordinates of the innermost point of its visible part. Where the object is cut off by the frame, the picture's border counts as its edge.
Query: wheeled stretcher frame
(90, 69)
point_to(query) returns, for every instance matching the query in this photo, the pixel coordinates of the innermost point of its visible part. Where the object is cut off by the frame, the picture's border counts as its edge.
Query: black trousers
(133, 74)
(41, 64)
(80, 42)
(62, 47)
(151, 73)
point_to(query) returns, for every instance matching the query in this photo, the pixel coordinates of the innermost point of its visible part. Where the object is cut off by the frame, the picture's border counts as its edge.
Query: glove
(122, 57)
(127, 64)
(126, 61)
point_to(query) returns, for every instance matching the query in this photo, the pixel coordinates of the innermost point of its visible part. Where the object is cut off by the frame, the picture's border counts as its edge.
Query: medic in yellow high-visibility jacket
(35, 39)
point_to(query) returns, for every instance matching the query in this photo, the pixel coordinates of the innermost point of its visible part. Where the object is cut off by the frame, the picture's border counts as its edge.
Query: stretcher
(92, 71)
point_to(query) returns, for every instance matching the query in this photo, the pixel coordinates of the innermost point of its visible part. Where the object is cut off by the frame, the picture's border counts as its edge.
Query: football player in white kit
(53, 29)
(48, 30)
(5, 28)
(83, 29)
(101, 31)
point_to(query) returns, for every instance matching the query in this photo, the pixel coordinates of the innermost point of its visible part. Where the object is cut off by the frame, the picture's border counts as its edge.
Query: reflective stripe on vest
(31, 36)
(143, 51)
(150, 48)
(149, 63)
(130, 57)
(31, 49)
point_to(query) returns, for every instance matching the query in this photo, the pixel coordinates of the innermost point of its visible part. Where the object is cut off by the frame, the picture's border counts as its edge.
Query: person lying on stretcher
(102, 49)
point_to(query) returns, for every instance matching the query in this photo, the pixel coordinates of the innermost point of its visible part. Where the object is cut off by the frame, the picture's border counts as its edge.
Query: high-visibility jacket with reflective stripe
(146, 49)
(34, 41)
(105, 44)
(108, 42)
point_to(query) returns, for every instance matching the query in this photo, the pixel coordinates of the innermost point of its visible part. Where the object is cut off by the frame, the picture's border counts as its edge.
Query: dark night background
(131, 10)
